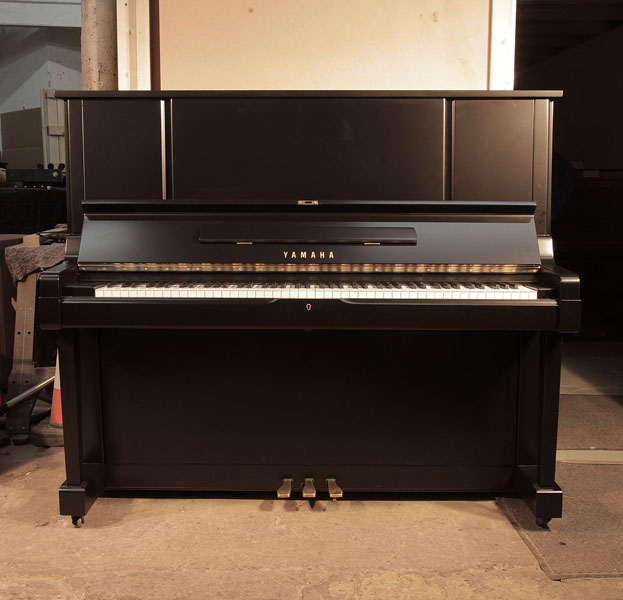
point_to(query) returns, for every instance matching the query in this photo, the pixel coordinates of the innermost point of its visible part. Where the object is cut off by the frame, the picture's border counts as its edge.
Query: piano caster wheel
(77, 521)
(543, 522)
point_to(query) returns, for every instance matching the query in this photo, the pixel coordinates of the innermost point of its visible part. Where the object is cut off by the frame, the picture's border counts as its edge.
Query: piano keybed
(319, 291)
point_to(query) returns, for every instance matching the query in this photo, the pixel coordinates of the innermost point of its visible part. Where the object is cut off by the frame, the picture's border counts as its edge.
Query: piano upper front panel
(122, 150)
(291, 147)
(493, 150)
(308, 148)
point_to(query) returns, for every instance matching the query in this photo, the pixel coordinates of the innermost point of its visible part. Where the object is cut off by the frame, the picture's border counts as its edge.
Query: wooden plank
(53, 127)
(123, 44)
(133, 45)
(55, 130)
(143, 57)
(502, 45)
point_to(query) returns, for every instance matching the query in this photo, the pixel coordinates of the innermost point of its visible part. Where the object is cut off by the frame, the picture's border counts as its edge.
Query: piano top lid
(449, 94)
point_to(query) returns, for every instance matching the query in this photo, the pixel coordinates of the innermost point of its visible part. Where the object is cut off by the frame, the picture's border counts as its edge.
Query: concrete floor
(592, 367)
(262, 549)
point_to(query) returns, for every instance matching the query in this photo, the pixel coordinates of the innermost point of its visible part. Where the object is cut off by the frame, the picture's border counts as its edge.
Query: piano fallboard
(163, 242)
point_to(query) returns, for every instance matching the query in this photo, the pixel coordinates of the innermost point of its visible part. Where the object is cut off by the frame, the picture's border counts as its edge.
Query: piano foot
(335, 491)
(285, 490)
(76, 500)
(544, 502)
(309, 489)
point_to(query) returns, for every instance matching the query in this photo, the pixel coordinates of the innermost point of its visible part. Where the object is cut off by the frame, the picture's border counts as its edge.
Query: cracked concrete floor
(215, 548)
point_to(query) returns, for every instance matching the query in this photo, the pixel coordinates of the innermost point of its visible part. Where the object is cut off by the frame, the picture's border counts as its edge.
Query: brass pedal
(285, 490)
(309, 489)
(335, 491)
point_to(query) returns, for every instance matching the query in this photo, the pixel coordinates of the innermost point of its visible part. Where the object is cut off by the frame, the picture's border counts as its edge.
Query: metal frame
(24, 375)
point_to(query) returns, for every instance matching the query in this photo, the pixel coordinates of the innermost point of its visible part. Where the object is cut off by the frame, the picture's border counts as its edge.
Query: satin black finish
(122, 150)
(308, 149)
(178, 239)
(327, 147)
(235, 396)
(503, 133)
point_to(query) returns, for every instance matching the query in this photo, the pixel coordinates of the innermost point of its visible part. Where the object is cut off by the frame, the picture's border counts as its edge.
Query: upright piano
(312, 294)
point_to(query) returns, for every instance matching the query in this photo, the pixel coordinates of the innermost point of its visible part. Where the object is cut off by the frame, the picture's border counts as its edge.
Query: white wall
(33, 58)
(336, 44)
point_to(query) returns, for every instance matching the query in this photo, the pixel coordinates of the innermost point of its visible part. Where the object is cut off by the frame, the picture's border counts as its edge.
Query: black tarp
(30, 210)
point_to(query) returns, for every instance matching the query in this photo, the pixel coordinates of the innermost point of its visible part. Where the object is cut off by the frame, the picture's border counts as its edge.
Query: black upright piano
(312, 294)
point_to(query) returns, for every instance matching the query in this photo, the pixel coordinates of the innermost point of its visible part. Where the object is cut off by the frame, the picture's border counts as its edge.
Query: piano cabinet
(406, 336)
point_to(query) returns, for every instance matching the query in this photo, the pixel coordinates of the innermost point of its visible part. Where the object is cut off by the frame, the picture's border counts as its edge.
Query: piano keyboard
(320, 291)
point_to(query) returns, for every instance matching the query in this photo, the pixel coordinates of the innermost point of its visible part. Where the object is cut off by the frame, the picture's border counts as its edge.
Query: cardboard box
(22, 140)
(23, 158)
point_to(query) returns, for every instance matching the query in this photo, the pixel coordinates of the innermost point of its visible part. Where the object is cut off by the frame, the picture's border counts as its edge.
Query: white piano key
(317, 291)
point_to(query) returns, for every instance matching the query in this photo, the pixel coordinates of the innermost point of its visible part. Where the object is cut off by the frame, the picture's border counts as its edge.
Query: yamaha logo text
(308, 254)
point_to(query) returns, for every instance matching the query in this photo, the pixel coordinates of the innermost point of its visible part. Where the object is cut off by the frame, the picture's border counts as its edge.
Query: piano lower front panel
(240, 410)
(503, 315)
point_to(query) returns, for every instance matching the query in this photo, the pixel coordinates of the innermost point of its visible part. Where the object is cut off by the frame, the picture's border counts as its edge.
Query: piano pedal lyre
(335, 491)
(285, 489)
(309, 489)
